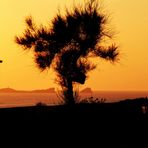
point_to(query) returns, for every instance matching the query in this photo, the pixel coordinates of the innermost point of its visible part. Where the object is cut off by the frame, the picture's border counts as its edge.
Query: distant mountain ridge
(10, 90)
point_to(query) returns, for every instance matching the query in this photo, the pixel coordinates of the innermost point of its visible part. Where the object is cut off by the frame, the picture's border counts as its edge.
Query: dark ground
(122, 125)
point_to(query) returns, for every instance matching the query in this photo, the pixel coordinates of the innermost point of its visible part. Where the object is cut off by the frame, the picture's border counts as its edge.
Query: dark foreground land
(123, 124)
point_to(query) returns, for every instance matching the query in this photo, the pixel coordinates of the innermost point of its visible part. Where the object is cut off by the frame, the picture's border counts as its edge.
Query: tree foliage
(69, 41)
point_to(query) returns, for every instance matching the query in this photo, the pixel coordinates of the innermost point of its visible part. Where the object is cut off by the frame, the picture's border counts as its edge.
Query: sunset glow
(128, 20)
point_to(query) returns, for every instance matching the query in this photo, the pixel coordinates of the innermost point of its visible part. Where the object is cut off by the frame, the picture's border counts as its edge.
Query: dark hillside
(121, 124)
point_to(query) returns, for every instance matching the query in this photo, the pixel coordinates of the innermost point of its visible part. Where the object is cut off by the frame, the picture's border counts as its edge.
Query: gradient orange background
(129, 21)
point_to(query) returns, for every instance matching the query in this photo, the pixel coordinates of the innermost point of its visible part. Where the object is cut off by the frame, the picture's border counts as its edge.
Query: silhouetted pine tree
(68, 43)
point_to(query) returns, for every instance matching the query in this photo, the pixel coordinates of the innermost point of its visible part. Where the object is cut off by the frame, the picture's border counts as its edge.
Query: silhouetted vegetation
(41, 104)
(68, 43)
(93, 100)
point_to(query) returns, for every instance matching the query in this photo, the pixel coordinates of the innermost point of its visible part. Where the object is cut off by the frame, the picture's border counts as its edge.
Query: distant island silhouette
(48, 90)
(10, 90)
(86, 90)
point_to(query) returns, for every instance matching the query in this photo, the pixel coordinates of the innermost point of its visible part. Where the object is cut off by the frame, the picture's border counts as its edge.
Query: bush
(93, 100)
(41, 104)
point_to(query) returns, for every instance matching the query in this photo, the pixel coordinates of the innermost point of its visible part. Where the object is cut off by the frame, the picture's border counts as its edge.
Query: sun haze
(128, 19)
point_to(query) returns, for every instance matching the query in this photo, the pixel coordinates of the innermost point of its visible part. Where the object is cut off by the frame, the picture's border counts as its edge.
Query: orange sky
(129, 20)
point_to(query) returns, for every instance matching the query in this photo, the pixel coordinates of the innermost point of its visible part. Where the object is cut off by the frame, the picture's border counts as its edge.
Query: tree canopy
(68, 42)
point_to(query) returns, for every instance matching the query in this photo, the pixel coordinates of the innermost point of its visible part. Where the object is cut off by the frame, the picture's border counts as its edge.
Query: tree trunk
(69, 97)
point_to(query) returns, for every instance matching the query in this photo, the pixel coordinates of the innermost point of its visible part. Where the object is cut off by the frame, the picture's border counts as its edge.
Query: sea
(8, 100)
